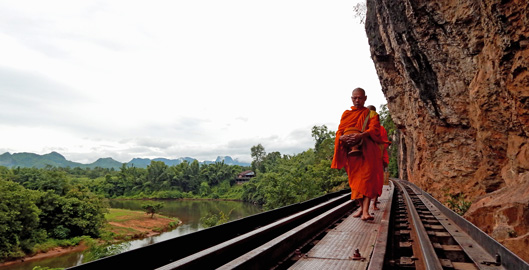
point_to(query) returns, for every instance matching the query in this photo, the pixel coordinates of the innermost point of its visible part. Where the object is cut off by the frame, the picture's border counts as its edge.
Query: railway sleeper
(447, 264)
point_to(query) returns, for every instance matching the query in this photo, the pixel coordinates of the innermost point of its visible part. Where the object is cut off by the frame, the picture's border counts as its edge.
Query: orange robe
(384, 147)
(365, 172)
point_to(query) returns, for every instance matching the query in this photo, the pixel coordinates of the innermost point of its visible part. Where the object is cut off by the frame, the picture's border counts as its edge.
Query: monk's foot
(358, 214)
(367, 218)
(375, 208)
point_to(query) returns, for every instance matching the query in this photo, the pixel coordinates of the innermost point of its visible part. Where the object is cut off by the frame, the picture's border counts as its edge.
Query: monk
(364, 170)
(384, 150)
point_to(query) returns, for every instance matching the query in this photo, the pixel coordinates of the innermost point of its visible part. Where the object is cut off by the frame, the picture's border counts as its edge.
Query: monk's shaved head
(359, 97)
(360, 90)
(371, 107)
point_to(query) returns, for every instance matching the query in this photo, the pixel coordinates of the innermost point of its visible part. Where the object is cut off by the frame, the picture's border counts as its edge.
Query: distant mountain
(55, 159)
(105, 163)
(139, 162)
(34, 160)
(144, 162)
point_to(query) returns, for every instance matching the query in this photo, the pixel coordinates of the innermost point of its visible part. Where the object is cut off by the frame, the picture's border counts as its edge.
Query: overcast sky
(188, 78)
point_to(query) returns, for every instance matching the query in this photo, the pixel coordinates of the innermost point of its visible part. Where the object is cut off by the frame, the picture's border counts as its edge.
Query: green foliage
(160, 181)
(320, 135)
(41, 179)
(45, 268)
(78, 212)
(457, 203)
(152, 208)
(269, 161)
(41, 203)
(61, 203)
(98, 251)
(294, 179)
(188, 179)
(387, 122)
(205, 190)
(60, 232)
(157, 176)
(167, 194)
(211, 219)
(19, 220)
(226, 191)
(258, 153)
(51, 243)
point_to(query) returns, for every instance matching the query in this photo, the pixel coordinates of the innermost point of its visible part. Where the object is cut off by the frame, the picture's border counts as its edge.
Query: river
(188, 211)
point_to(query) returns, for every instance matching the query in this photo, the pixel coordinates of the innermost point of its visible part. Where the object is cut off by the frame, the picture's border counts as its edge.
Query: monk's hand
(347, 139)
(357, 137)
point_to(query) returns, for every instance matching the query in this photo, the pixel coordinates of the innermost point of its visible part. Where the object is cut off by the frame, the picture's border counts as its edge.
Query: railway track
(427, 235)
(420, 233)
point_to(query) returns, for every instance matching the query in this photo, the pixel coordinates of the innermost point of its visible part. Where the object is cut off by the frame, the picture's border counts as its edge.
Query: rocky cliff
(455, 75)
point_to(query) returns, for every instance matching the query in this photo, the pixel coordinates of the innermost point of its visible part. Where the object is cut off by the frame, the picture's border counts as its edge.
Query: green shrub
(60, 232)
(458, 204)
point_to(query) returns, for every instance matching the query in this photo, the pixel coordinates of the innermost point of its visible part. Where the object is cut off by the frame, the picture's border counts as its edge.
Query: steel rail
(503, 256)
(284, 246)
(430, 259)
(379, 250)
(225, 252)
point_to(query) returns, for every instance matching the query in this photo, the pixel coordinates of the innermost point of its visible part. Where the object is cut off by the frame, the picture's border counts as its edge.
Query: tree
(258, 153)
(360, 10)
(185, 176)
(204, 189)
(79, 212)
(293, 179)
(320, 134)
(210, 219)
(324, 141)
(41, 179)
(152, 208)
(217, 172)
(387, 122)
(19, 219)
(157, 175)
(270, 161)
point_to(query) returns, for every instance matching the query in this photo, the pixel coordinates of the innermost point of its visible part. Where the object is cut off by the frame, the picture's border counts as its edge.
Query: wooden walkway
(336, 250)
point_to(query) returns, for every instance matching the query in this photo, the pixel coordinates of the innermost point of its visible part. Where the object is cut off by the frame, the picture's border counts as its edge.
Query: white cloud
(169, 79)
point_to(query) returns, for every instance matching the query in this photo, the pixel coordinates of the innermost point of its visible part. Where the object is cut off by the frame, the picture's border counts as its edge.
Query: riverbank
(128, 224)
(54, 252)
(122, 225)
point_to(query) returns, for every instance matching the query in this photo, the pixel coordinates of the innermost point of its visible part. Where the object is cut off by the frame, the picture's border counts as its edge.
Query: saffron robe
(365, 172)
(384, 147)
(384, 150)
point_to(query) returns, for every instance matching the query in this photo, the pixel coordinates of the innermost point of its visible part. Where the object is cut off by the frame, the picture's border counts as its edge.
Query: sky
(190, 78)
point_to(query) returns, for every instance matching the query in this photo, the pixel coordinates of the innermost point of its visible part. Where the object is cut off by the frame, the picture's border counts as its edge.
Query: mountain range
(55, 159)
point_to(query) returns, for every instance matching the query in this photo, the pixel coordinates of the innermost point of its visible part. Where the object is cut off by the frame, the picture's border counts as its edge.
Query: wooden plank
(336, 249)
(464, 266)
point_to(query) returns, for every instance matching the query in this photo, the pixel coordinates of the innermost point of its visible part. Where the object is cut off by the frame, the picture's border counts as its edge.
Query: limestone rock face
(456, 78)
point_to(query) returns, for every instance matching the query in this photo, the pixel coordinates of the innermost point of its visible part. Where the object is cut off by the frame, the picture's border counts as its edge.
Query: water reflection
(188, 211)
